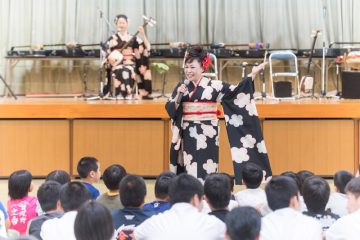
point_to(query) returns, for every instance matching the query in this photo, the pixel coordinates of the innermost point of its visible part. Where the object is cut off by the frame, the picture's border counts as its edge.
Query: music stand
(8, 87)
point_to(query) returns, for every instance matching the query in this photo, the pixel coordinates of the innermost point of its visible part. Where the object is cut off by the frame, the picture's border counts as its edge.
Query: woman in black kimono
(131, 63)
(195, 141)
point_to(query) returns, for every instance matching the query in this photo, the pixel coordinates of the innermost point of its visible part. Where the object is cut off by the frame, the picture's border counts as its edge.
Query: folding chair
(212, 72)
(287, 61)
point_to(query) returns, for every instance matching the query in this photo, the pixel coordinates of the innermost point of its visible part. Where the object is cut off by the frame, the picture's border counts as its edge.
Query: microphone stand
(323, 65)
(101, 58)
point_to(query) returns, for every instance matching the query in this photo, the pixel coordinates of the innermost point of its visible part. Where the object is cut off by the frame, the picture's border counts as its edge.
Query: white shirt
(337, 203)
(254, 198)
(2, 226)
(182, 221)
(345, 228)
(287, 223)
(59, 228)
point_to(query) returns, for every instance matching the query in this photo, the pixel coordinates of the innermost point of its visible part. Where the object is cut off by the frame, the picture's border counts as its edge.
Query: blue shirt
(2, 208)
(93, 190)
(158, 206)
(125, 220)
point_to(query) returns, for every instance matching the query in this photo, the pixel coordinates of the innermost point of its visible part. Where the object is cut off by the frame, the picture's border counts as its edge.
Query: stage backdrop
(282, 23)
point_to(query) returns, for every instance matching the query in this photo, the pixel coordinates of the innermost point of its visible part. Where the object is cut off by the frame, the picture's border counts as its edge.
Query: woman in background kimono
(195, 141)
(131, 63)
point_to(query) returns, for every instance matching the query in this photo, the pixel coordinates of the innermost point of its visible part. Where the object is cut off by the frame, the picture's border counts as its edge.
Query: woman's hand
(256, 69)
(141, 31)
(181, 89)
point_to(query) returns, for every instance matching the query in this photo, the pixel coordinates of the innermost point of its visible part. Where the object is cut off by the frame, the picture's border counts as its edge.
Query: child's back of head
(341, 178)
(252, 175)
(113, 175)
(302, 176)
(19, 184)
(73, 195)
(59, 176)
(48, 195)
(162, 185)
(316, 192)
(217, 189)
(86, 166)
(132, 191)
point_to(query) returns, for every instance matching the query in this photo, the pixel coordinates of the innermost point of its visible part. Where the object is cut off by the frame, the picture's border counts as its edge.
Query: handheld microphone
(178, 100)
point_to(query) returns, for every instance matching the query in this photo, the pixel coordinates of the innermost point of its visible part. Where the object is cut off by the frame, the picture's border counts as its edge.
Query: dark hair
(113, 175)
(353, 187)
(252, 175)
(93, 222)
(132, 191)
(279, 191)
(292, 175)
(231, 179)
(86, 165)
(243, 223)
(59, 176)
(183, 187)
(316, 192)
(341, 178)
(162, 184)
(48, 195)
(117, 17)
(302, 175)
(19, 184)
(217, 191)
(73, 195)
(195, 53)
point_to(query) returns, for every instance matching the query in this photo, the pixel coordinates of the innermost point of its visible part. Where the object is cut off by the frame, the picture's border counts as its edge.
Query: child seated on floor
(112, 177)
(21, 207)
(253, 195)
(338, 199)
(316, 192)
(88, 169)
(161, 203)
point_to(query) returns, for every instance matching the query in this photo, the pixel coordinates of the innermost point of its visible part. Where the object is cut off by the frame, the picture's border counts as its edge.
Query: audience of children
(286, 221)
(347, 227)
(21, 207)
(72, 196)
(48, 196)
(88, 169)
(161, 203)
(253, 195)
(184, 219)
(112, 177)
(178, 211)
(316, 192)
(338, 200)
(243, 223)
(93, 222)
(132, 195)
(217, 190)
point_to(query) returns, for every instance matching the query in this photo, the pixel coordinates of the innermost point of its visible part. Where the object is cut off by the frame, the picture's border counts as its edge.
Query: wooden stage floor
(43, 134)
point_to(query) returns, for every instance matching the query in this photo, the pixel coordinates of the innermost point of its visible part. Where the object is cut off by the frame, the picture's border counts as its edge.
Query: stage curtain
(282, 23)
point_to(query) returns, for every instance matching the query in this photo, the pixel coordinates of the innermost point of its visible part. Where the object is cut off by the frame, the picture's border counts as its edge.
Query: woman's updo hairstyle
(199, 54)
(120, 16)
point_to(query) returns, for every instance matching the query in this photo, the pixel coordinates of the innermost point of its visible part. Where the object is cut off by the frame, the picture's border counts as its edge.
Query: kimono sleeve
(243, 128)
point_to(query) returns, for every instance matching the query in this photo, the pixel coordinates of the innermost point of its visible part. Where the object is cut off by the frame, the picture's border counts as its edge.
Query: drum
(115, 58)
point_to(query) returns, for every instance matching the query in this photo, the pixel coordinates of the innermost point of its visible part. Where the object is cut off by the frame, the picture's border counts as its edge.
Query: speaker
(350, 82)
(282, 89)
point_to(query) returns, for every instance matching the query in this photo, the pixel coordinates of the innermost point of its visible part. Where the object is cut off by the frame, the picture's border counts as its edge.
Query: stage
(43, 134)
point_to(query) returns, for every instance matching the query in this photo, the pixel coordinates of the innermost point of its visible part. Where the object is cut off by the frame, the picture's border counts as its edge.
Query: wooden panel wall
(138, 145)
(39, 146)
(321, 146)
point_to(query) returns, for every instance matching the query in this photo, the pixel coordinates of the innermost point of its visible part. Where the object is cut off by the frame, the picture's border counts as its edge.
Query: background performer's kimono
(195, 141)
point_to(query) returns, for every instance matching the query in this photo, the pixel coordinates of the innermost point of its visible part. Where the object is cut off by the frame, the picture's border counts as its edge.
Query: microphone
(178, 101)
